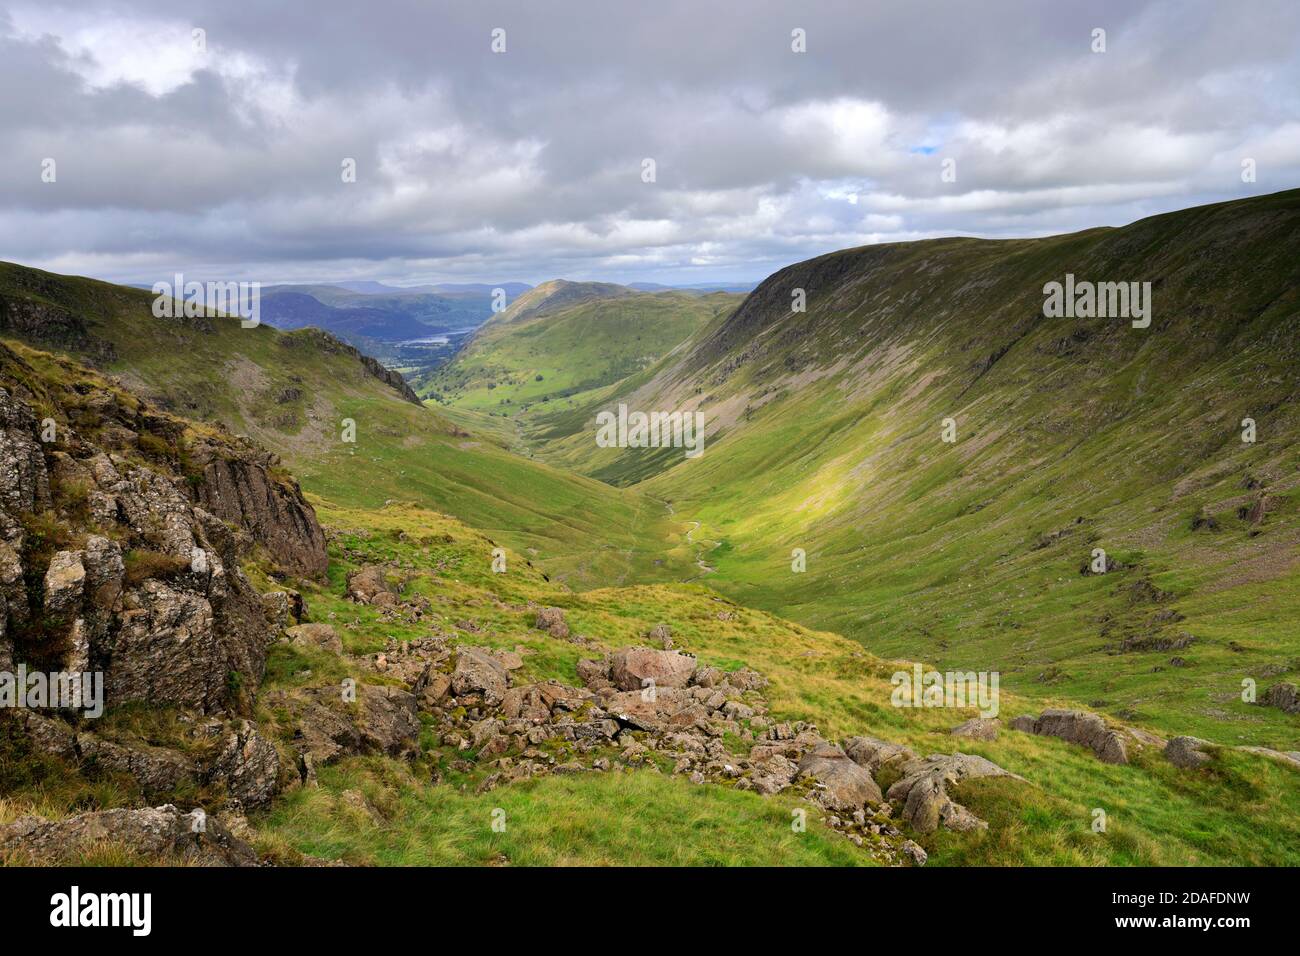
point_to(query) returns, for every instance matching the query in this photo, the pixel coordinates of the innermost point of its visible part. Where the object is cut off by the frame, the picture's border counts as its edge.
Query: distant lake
(432, 341)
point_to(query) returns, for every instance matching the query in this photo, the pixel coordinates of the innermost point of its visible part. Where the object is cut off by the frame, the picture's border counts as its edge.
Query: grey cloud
(481, 166)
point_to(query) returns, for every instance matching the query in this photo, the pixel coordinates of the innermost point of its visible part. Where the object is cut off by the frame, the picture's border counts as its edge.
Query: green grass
(1243, 810)
(640, 818)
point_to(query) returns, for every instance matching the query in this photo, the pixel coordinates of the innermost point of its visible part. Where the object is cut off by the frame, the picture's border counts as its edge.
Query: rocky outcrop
(318, 339)
(158, 771)
(382, 720)
(283, 609)
(1188, 753)
(243, 490)
(321, 636)
(149, 589)
(922, 791)
(248, 767)
(1290, 758)
(875, 755)
(1078, 727)
(38, 319)
(153, 833)
(1284, 696)
(245, 766)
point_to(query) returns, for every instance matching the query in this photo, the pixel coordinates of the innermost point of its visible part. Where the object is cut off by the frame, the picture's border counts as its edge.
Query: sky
(213, 138)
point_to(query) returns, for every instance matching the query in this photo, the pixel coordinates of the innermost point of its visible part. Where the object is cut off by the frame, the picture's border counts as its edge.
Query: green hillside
(1243, 811)
(293, 392)
(1071, 434)
(560, 344)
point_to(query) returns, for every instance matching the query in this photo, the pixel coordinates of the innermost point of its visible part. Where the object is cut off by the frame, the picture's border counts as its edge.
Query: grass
(594, 819)
(1243, 810)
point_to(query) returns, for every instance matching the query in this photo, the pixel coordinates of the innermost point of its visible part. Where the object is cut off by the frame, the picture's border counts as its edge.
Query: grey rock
(922, 791)
(847, 785)
(633, 668)
(1187, 752)
(977, 728)
(158, 834)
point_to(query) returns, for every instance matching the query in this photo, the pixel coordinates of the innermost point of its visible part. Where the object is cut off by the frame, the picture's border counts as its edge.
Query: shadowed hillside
(826, 434)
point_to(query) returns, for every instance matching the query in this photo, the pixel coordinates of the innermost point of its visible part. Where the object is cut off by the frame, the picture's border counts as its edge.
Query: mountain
(223, 634)
(562, 342)
(186, 519)
(409, 312)
(414, 330)
(294, 393)
(693, 287)
(825, 433)
(512, 289)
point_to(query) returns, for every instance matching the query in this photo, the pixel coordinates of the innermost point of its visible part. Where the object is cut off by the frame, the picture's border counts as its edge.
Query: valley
(351, 517)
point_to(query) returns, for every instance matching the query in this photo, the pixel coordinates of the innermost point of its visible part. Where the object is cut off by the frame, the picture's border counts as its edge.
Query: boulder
(389, 720)
(593, 672)
(706, 676)
(322, 636)
(431, 686)
(872, 754)
(922, 791)
(382, 720)
(915, 852)
(157, 834)
(1187, 753)
(551, 620)
(638, 710)
(278, 609)
(846, 785)
(369, 585)
(509, 660)
(478, 671)
(633, 668)
(771, 772)
(1085, 729)
(978, 728)
(746, 679)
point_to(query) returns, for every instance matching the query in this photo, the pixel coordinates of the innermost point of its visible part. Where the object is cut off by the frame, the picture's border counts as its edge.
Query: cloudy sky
(221, 154)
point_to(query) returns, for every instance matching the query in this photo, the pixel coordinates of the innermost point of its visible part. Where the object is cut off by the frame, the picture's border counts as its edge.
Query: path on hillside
(700, 549)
